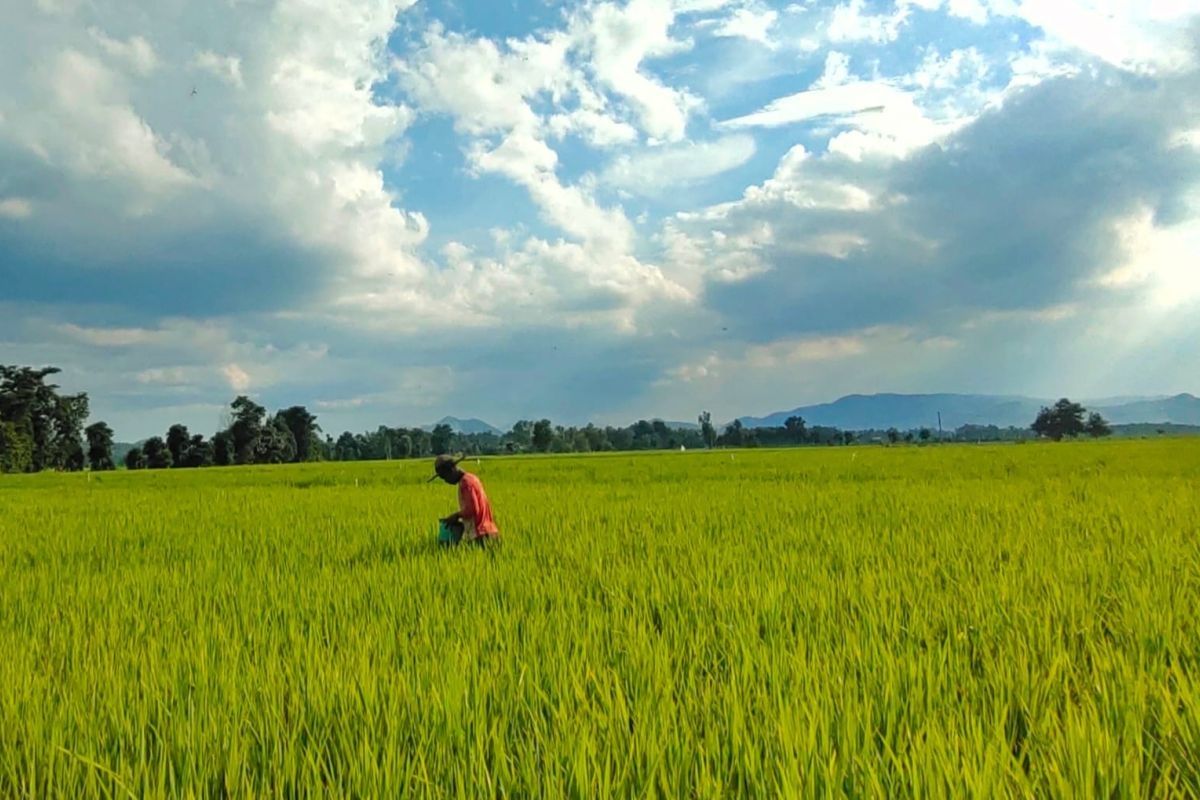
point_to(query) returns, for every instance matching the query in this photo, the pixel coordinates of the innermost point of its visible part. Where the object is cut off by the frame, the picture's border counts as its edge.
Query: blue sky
(597, 210)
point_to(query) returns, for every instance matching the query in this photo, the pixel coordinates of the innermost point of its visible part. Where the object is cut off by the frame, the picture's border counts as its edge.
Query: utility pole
(939, 426)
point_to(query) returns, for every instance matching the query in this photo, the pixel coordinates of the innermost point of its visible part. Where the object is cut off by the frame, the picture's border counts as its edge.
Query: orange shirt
(475, 508)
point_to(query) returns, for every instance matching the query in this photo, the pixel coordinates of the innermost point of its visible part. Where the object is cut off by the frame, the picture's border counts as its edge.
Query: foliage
(158, 455)
(707, 430)
(246, 429)
(984, 621)
(304, 429)
(441, 439)
(543, 435)
(16, 448)
(46, 426)
(178, 441)
(1063, 419)
(198, 453)
(100, 443)
(135, 459)
(1097, 426)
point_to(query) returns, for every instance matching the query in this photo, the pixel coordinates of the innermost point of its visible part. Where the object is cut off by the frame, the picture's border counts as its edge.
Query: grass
(946, 621)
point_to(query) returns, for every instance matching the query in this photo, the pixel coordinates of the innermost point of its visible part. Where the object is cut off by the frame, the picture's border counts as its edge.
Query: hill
(464, 425)
(906, 411)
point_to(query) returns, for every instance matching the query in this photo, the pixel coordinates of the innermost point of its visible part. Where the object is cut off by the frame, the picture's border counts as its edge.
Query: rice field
(843, 622)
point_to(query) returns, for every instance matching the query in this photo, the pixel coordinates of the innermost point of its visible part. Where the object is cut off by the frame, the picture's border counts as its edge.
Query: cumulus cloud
(652, 172)
(970, 224)
(753, 25)
(910, 210)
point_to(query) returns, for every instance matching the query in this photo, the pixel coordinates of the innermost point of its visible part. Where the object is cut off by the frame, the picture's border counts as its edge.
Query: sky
(395, 210)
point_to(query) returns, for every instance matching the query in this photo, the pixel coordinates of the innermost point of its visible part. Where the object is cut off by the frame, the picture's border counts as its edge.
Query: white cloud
(83, 123)
(966, 65)
(110, 337)
(797, 351)
(792, 184)
(619, 40)
(654, 171)
(1141, 35)
(850, 22)
(135, 52)
(749, 24)
(225, 68)
(878, 118)
(1162, 260)
(840, 100)
(597, 129)
(238, 378)
(837, 71)
(708, 369)
(15, 208)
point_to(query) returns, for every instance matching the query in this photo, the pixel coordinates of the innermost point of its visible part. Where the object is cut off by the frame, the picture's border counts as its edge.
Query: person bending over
(474, 514)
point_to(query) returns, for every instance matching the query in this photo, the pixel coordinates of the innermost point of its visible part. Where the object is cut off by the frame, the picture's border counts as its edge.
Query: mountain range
(905, 411)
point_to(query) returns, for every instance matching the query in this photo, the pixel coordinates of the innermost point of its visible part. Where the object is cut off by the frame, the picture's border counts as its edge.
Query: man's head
(447, 469)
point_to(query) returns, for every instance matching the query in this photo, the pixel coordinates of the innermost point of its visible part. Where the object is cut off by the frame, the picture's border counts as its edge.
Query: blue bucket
(447, 535)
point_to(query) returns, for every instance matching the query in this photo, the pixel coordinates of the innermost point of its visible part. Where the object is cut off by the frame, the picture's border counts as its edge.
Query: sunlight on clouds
(15, 208)
(1162, 260)
(1143, 35)
(238, 378)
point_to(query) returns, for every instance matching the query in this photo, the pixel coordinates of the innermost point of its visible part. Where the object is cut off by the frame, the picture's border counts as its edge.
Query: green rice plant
(861, 622)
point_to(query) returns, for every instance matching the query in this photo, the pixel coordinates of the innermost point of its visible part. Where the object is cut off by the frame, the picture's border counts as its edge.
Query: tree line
(42, 428)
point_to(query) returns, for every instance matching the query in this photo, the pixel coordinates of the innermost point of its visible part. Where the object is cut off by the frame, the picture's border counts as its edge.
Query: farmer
(474, 515)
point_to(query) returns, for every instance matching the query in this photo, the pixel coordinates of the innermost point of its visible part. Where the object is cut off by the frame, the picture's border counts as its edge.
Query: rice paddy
(863, 622)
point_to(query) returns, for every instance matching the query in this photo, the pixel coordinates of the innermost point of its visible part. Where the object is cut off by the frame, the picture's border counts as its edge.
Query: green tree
(178, 439)
(735, 434)
(404, 446)
(100, 443)
(1097, 426)
(440, 439)
(246, 429)
(893, 435)
(275, 444)
(16, 449)
(135, 459)
(543, 436)
(305, 430)
(52, 422)
(797, 429)
(522, 434)
(198, 453)
(1061, 420)
(158, 455)
(222, 444)
(925, 434)
(707, 431)
(346, 448)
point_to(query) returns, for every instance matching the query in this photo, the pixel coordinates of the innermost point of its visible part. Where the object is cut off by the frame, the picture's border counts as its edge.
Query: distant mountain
(906, 411)
(464, 425)
(1182, 409)
(121, 449)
